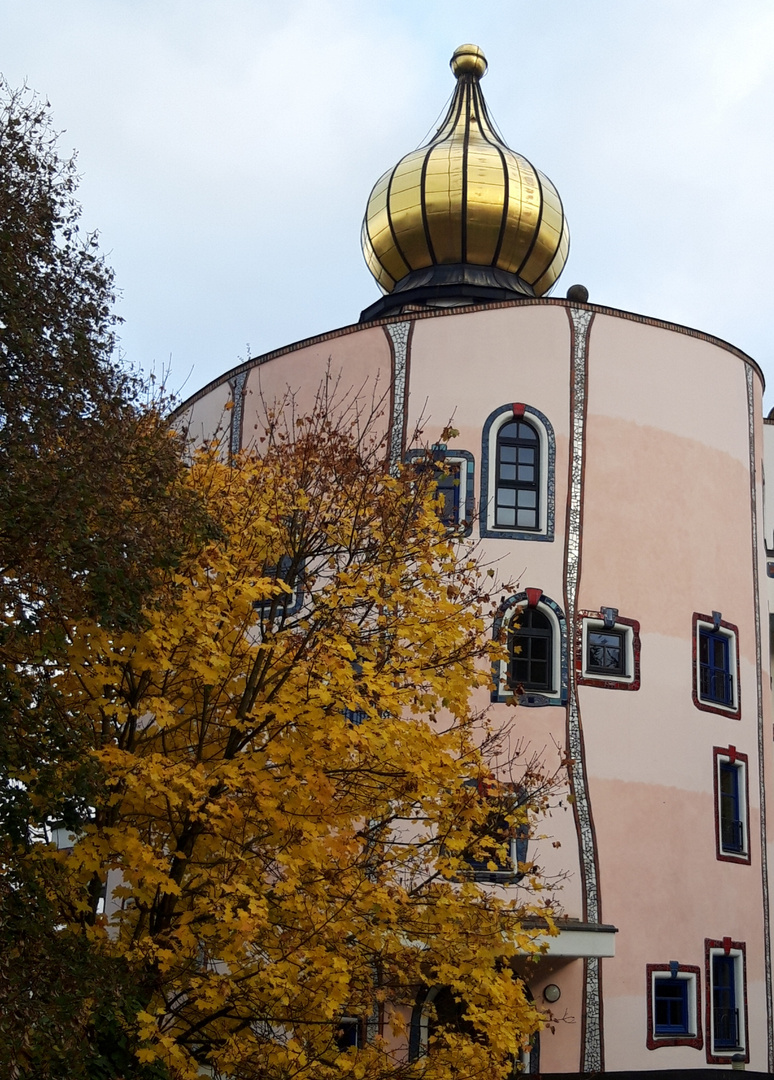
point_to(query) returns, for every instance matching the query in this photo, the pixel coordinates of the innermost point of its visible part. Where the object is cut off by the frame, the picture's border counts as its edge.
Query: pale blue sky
(227, 151)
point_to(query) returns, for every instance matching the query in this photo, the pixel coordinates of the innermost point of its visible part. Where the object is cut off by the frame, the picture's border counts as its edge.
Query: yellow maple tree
(293, 770)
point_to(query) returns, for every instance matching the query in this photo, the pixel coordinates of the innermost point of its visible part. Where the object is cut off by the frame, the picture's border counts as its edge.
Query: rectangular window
(670, 1006)
(447, 479)
(731, 805)
(288, 570)
(726, 997)
(452, 473)
(606, 652)
(502, 844)
(349, 1034)
(673, 999)
(725, 1014)
(716, 665)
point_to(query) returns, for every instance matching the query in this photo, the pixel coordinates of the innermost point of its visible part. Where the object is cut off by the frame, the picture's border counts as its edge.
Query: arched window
(534, 630)
(530, 650)
(437, 1009)
(517, 484)
(518, 459)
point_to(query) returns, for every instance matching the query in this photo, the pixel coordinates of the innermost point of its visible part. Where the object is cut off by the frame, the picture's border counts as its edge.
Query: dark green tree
(90, 510)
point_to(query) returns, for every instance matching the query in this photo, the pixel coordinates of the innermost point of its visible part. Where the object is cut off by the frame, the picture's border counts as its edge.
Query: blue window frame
(725, 1010)
(730, 808)
(670, 1006)
(715, 676)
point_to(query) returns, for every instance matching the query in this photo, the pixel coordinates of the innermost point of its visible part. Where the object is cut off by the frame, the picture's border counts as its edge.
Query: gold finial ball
(468, 60)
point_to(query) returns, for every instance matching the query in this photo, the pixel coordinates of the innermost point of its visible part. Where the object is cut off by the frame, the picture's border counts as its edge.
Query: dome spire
(464, 216)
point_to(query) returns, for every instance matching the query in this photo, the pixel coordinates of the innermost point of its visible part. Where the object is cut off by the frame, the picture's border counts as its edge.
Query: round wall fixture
(552, 992)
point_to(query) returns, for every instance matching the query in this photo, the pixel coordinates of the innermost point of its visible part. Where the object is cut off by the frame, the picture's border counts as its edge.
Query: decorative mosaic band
(237, 385)
(399, 336)
(749, 373)
(592, 1007)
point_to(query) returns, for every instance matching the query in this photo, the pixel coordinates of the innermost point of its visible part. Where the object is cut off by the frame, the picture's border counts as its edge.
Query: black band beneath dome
(463, 282)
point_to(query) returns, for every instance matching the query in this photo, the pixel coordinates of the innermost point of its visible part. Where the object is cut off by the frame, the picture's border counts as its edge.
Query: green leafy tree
(90, 509)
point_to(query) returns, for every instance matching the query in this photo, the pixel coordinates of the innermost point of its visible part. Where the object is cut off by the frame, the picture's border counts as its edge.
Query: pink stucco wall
(667, 531)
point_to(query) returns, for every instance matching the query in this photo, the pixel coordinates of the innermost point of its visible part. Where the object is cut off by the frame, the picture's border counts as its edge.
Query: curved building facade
(612, 464)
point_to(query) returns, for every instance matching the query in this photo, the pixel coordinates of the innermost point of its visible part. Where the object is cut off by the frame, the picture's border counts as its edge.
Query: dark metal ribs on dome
(464, 217)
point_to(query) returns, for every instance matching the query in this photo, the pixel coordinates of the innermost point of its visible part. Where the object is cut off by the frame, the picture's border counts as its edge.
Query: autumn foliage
(292, 778)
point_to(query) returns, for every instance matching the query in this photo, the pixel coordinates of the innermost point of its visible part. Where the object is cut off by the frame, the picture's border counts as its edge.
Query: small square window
(673, 999)
(608, 652)
(716, 665)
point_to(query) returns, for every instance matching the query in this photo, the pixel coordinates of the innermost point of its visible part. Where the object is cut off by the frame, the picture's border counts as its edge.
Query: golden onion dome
(464, 212)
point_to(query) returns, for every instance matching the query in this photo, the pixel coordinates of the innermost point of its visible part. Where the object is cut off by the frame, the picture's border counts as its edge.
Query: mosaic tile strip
(498, 417)
(399, 336)
(750, 374)
(237, 385)
(503, 614)
(580, 319)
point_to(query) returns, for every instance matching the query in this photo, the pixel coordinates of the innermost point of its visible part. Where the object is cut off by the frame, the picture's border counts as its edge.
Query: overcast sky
(228, 149)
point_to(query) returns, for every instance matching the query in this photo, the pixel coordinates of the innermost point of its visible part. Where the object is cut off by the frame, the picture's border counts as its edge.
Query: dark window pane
(670, 1006)
(606, 653)
(725, 1014)
(518, 443)
(715, 676)
(531, 667)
